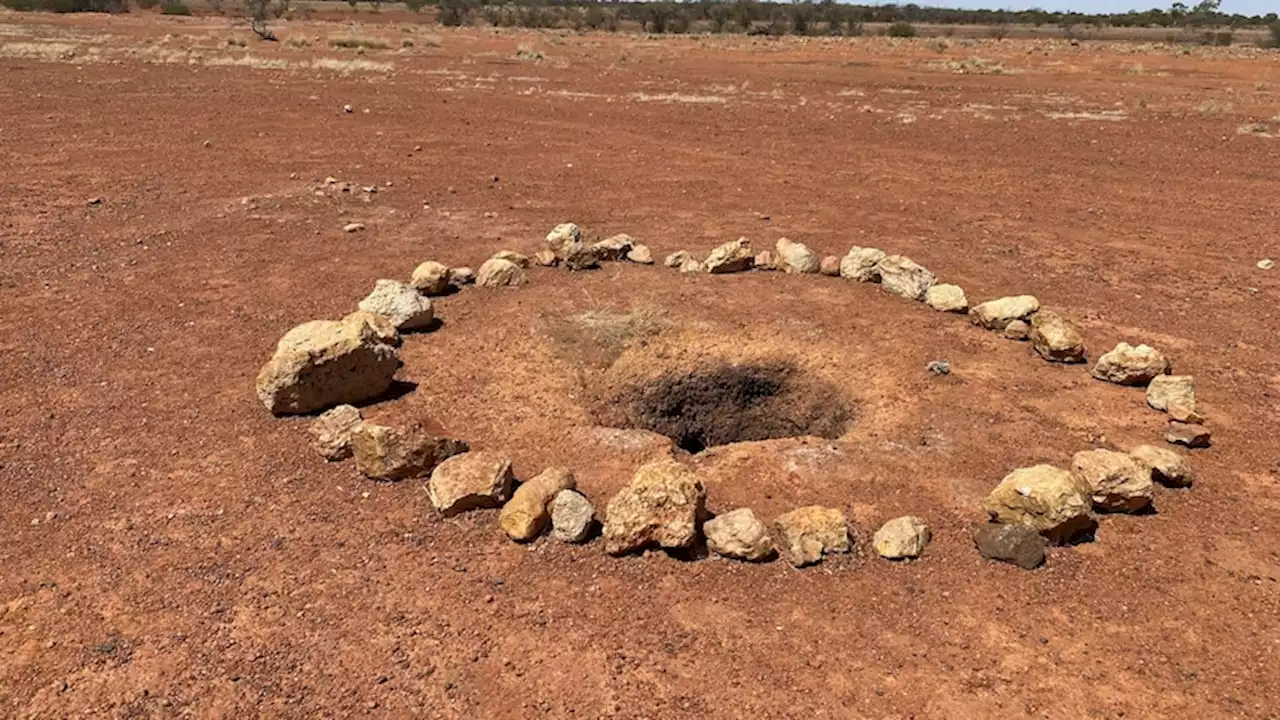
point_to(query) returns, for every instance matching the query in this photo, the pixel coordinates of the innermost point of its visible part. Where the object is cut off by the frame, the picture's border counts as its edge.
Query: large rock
(390, 453)
(739, 534)
(1117, 482)
(430, 278)
(902, 538)
(1017, 544)
(905, 277)
(564, 240)
(1053, 501)
(325, 363)
(404, 306)
(862, 264)
(1056, 338)
(944, 297)
(498, 272)
(1130, 365)
(661, 506)
(997, 314)
(809, 533)
(469, 481)
(520, 260)
(527, 514)
(1176, 395)
(731, 257)
(1168, 467)
(613, 248)
(331, 432)
(677, 258)
(572, 517)
(796, 258)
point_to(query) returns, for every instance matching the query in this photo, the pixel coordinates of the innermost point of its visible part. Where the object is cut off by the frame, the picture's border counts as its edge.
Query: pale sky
(1243, 7)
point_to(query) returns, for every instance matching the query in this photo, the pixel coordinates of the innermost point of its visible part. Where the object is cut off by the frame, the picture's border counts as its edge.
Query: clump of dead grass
(357, 42)
(597, 338)
(1214, 107)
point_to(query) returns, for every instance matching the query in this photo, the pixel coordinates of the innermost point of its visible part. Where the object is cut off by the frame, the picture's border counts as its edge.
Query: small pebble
(1266, 264)
(939, 367)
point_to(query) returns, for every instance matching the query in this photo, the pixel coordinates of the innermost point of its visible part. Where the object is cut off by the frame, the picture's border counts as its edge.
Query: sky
(1243, 7)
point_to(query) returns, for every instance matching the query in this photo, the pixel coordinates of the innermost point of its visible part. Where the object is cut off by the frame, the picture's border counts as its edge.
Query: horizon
(1093, 7)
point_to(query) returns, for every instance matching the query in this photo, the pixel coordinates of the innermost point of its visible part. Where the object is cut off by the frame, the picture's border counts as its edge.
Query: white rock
(946, 298)
(497, 272)
(862, 264)
(403, 305)
(572, 517)
(469, 481)
(1168, 467)
(1054, 501)
(1130, 365)
(1118, 482)
(905, 277)
(997, 314)
(731, 257)
(430, 278)
(325, 363)
(640, 254)
(797, 258)
(739, 534)
(1176, 395)
(901, 538)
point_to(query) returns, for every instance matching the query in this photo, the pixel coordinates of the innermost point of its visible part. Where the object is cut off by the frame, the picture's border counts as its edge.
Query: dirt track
(168, 548)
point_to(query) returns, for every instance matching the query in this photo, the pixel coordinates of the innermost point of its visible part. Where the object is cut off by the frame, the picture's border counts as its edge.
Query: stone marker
(1117, 481)
(403, 305)
(430, 278)
(572, 517)
(1017, 544)
(809, 533)
(862, 264)
(469, 481)
(325, 363)
(1189, 434)
(796, 258)
(732, 257)
(1176, 395)
(997, 314)
(830, 266)
(1055, 338)
(1130, 365)
(1053, 501)
(389, 453)
(497, 272)
(661, 506)
(640, 254)
(739, 534)
(527, 514)
(331, 432)
(1168, 467)
(946, 298)
(902, 538)
(905, 277)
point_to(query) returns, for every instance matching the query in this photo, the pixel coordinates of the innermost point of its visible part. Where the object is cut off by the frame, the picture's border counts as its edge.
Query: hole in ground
(731, 403)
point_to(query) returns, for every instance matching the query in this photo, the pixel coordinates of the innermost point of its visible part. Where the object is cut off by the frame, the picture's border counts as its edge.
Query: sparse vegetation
(175, 8)
(901, 29)
(357, 42)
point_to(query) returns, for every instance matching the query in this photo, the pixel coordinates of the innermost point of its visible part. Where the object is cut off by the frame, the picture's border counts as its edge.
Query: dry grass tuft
(356, 42)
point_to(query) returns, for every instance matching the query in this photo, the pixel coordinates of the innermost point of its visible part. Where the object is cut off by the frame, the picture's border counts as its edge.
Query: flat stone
(1168, 467)
(902, 538)
(1131, 365)
(662, 506)
(1055, 338)
(520, 260)
(389, 453)
(331, 432)
(572, 517)
(862, 264)
(946, 298)
(470, 481)
(1117, 482)
(403, 305)
(1054, 501)
(1020, 545)
(810, 533)
(997, 314)
(527, 514)
(1189, 434)
(739, 534)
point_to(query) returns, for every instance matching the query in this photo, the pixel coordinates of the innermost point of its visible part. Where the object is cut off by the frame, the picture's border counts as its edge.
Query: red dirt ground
(170, 549)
